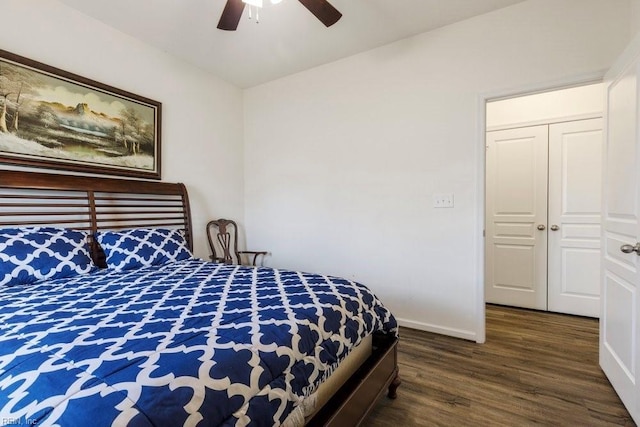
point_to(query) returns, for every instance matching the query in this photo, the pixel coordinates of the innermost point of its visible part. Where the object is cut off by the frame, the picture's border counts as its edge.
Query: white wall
(201, 116)
(342, 161)
(575, 102)
(634, 16)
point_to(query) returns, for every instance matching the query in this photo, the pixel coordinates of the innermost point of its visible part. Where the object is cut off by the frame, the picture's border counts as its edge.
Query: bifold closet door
(516, 217)
(575, 188)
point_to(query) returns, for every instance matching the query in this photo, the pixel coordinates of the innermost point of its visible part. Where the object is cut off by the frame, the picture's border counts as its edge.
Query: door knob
(627, 249)
(554, 228)
(541, 227)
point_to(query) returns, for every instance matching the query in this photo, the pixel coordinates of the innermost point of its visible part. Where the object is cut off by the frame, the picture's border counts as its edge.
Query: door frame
(482, 99)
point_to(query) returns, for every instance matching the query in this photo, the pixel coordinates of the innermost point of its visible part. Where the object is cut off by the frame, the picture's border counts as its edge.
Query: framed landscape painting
(55, 119)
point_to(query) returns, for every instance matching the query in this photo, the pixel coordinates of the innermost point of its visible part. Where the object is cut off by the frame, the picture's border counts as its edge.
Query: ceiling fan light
(256, 3)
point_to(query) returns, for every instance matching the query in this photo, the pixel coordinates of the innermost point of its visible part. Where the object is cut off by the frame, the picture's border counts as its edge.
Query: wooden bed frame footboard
(94, 203)
(356, 398)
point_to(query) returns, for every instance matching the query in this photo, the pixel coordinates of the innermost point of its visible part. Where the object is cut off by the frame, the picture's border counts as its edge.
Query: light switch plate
(443, 200)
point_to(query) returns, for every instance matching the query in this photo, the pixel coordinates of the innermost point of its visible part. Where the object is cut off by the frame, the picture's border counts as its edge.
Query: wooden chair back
(223, 241)
(222, 235)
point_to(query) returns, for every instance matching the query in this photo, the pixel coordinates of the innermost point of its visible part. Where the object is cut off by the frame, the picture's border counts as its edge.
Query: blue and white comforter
(187, 343)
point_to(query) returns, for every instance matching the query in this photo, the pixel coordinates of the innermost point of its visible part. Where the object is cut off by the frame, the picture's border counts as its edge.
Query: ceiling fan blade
(231, 15)
(322, 10)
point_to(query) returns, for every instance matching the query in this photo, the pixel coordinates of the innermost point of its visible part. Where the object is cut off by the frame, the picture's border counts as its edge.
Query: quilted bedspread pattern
(187, 343)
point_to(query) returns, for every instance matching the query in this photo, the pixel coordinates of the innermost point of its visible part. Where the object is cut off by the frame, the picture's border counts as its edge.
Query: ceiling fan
(322, 9)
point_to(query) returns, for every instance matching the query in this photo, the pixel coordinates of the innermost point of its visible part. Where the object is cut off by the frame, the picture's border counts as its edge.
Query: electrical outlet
(443, 200)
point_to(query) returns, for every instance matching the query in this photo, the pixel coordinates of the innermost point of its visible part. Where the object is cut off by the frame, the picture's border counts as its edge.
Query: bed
(115, 323)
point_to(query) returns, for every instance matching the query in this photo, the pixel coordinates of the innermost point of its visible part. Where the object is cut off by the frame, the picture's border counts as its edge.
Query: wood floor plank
(535, 368)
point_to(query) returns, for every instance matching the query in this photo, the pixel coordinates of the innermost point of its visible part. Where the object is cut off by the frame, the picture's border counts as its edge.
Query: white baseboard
(457, 333)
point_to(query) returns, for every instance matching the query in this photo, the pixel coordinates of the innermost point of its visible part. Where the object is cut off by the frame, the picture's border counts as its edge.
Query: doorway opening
(543, 174)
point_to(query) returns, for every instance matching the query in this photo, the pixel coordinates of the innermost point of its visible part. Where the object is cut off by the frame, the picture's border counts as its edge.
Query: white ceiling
(288, 38)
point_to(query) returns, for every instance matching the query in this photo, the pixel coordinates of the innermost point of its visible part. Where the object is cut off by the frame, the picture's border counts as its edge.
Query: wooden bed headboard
(92, 203)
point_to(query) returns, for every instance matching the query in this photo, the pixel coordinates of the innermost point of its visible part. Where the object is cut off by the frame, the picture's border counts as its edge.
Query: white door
(516, 204)
(619, 340)
(575, 188)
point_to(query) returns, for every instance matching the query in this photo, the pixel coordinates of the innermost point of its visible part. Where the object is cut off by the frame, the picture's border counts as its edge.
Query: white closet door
(575, 187)
(516, 236)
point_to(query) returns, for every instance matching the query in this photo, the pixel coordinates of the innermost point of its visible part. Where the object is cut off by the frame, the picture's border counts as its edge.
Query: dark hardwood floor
(535, 368)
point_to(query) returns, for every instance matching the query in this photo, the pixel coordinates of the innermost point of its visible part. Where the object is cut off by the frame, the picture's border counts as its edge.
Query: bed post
(393, 387)
(187, 216)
